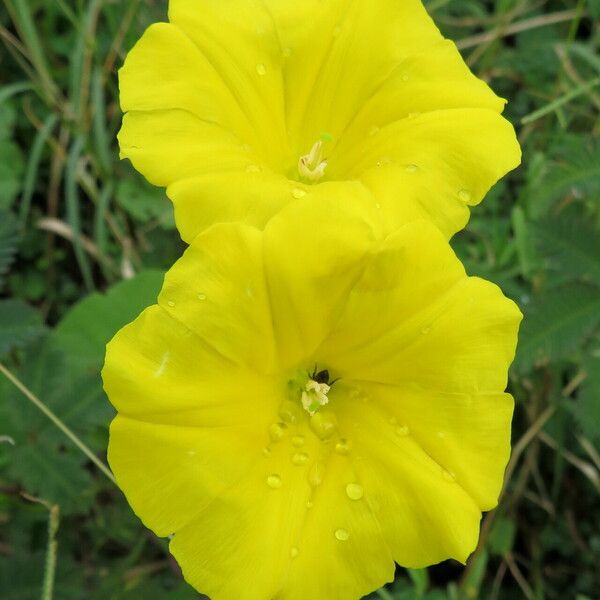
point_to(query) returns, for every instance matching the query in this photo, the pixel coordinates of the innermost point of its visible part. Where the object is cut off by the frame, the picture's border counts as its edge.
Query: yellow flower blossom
(240, 107)
(308, 403)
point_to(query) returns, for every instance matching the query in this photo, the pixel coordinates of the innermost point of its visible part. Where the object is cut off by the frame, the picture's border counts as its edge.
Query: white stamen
(312, 166)
(314, 396)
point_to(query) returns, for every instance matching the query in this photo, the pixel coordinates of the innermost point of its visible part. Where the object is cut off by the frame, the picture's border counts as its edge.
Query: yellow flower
(241, 107)
(309, 403)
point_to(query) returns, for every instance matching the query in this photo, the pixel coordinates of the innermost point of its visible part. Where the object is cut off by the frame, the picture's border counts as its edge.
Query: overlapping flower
(240, 107)
(320, 391)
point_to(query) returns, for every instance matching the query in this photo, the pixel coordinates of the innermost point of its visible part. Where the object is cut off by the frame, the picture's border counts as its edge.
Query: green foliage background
(84, 242)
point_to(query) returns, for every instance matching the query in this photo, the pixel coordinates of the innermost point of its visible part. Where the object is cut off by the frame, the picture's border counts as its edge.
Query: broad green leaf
(557, 323)
(587, 406)
(8, 242)
(570, 246)
(145, 202)
(502, 536)
(19, 324)
(83, 333)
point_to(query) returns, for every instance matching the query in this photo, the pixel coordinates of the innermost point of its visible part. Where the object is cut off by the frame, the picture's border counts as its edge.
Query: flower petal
(443, 161)
(435, 327)
(218, 291)
(469, 434)
(270, 536)
(424, 513)
(315, 251)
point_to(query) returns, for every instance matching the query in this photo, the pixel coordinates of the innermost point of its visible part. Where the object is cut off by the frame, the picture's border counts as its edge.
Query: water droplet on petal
(315, 477)
(309, 504)
(171, 303)
(261, 69)
(252, 169)
(465, 195)
(323, 425)
(274, 481)
(405, 77)
(426, 330)
(298, 193)
(342, 447)
(448, 475)
(354, 491)
(411, 168)
(287, 52)
(290, 411)
(402, 431)
(374, 130)
(294, 552)
(298, 441)
(341, 535)
(202, 297)
(277, 431)
(267, 451)
(300, 458)
(337, 30)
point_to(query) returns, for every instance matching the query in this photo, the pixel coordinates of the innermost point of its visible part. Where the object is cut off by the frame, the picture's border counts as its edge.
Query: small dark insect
(322, 377)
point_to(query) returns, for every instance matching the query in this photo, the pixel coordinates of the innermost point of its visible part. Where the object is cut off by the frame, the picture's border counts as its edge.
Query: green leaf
(19, 325)
(12, 167)
(502, 536)
(570, 246)
(8, 241)
(86, 329)
(587, 407)
(144, 202)
(574, 172)
(557, 323)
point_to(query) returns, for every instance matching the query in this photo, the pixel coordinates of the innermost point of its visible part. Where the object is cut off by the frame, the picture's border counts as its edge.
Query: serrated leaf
(83, 333)
(575, 172)
(569, 246)
(145, 202)
(19, 325)
(587, 406)
(557, 323)
(8, 242)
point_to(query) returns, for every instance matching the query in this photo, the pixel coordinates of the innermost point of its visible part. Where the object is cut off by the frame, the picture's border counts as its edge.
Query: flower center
(312, 166)
(314, 396)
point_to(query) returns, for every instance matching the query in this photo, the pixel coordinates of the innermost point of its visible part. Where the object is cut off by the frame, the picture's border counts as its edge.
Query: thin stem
(56, 420)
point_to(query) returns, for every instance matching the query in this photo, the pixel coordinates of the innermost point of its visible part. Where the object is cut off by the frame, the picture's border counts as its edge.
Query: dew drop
(267, 451)
(277, 431)
(378, 206)
(341, 535)
(294, 552)
(354, 491)
(374, 130)
(300, 458)
(411, 168)
(202, 297)
(171, 303)
(323, 425)
(287, 52)
(274, 481)
(315, 477)
(261, 69)
(252, 169)
(405, 77)
(402, 431)
(336, 31)
(309, 504)
(465, 195)
(298, 193)
(289, 412)
(343, 447)
(298, 441)
(448, 475)
(426, 330)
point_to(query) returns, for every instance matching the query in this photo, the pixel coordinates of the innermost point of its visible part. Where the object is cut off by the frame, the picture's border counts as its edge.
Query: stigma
(312, 166)
(314, 396)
